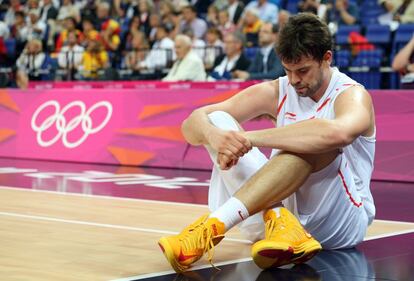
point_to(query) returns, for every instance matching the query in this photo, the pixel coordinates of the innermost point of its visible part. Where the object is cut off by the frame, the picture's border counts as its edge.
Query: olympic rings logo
(64, 127)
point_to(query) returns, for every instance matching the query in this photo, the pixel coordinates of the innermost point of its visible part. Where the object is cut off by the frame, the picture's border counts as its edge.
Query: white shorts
(326, 204)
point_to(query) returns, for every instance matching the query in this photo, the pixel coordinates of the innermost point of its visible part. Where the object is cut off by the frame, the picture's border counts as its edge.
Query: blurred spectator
(404, 63)
(308, 6)
(102, 14)
(166, 10)
(343, 13)
(399, 10)
(110, 35)
(70, 56)
(268, 12)
(233, 58)
(161, 52)
(4, 35)
(95, 59)
(127, 36)
(48, 11)
(189, 66)
(17, 31)
(225, 25)
(198, 45)
(144, 13)
(266, 64)
(201, 6)
(283, 18)
(88, 30)
(137, 55)
(171, 17)
(69, 25)
(212, 16)
(191, 21)
(32, 64)
(235, 9)
(180, 4)
(68, 10)
(251, 24)
(123, 8)
(15, 6)
(32, 5)
(35, 29)
(155, 22)
(214, 47)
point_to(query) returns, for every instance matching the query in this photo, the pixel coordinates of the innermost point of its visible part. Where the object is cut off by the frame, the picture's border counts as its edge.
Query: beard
(303, 90)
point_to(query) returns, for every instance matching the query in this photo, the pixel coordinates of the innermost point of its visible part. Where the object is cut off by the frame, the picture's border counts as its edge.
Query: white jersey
(359, 156)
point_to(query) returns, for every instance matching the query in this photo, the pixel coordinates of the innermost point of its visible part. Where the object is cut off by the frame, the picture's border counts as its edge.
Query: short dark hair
(275, 28)
(304, 35)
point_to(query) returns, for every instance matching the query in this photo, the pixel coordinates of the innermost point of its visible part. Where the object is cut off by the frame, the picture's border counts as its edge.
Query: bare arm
(354, 117)
(402, 59)
(254, 101)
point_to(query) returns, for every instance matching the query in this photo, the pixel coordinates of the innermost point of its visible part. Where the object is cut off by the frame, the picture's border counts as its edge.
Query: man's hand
(243, 75)
(230, 146)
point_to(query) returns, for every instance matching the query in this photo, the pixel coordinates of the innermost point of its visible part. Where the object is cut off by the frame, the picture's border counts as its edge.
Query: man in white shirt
(35, 29)
(190, 20)
(162, 51)
(189, 66)
(70, 56)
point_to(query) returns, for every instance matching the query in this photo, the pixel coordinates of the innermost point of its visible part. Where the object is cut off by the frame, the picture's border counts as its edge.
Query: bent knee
(224, 121)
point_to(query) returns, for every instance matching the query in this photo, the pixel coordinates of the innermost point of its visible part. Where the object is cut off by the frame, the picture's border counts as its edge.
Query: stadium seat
(341, 37)
(342, 58)
(403, 34)
(379, 35)
(10, 44)
(370, 10)
(368, 58)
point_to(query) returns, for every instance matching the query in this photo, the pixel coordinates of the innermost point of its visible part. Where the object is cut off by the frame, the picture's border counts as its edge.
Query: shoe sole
(271, 254)
(169, 254)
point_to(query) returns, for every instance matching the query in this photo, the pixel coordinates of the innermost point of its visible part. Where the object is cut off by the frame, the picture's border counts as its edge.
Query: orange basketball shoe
(190, 245)
(286, 241)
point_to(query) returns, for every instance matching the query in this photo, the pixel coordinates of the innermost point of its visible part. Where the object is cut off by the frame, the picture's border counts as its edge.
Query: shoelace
(203, 239)
(271, 227)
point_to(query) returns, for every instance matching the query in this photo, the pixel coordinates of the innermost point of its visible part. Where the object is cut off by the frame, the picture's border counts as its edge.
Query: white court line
(162, 273)
(138, 277)
(103, 197)
(115, 226)
(150, 275)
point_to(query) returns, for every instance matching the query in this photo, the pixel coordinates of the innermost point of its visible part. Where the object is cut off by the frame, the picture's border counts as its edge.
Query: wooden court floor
(56, 236)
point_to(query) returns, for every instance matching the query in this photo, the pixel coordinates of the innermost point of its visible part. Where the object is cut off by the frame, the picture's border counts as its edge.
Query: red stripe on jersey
(281, 104)
(290, 114)
(347, 190)
(323, 105)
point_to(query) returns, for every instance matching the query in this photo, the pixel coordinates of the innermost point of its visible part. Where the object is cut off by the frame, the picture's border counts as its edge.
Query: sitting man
(233, 58)
(315, 189)
(189, 66)
(266, 64)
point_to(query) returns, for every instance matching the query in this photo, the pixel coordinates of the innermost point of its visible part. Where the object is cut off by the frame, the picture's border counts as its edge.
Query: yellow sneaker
(190, 245)
(286, 241)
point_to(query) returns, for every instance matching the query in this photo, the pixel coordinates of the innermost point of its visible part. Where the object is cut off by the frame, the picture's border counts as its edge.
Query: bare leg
(280, 177)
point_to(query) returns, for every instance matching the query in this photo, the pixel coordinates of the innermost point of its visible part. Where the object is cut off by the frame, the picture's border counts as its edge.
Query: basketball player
(314, 190)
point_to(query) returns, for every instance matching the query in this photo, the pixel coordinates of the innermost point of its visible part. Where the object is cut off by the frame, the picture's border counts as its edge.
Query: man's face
(231, 45)
(188, 14)
(307, 75)
(181, 49)
(265, 35)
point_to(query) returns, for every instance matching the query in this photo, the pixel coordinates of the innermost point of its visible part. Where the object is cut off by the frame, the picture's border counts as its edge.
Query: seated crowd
(157, 39)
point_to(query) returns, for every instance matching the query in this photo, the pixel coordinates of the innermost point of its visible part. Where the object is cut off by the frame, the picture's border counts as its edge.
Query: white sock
(277, 211)
(231, 213)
